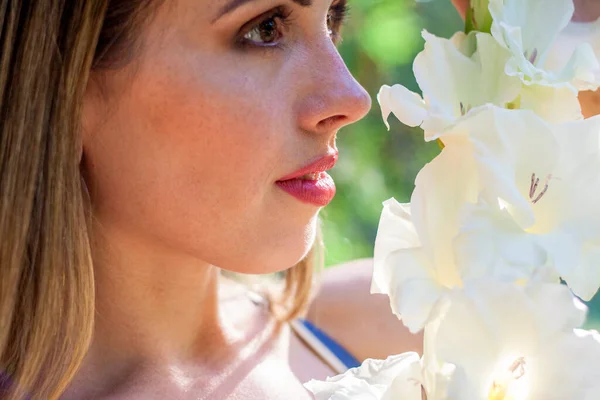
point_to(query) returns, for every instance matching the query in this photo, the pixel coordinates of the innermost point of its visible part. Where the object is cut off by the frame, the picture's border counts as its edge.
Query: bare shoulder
(360, 321)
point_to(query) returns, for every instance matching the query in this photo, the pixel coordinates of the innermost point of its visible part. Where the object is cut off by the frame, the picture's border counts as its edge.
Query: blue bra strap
(341, 353)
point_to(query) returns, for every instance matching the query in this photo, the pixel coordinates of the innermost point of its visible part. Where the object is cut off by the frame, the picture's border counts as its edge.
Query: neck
(154, 307)
(160, 311)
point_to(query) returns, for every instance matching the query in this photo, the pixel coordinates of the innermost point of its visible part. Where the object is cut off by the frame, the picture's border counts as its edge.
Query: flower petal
(538, 21)
(555, 105)
(581, 69)
(490, 325)
(402, 270)
(441, 189)
(584, 277)
(567, 367)
(529, 30)
(485, 323)
(490, 244)
(573, 36)
(372, 380)
(407, 106)
(395, 232)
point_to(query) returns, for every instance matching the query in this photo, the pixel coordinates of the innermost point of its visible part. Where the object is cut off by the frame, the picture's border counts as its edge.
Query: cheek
(211, 139)
(193, 162)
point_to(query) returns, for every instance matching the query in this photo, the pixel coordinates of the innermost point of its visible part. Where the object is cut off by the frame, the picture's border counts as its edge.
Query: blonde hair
(48, 48)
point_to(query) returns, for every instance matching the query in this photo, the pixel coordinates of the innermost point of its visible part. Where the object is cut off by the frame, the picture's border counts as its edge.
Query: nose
(332, 97)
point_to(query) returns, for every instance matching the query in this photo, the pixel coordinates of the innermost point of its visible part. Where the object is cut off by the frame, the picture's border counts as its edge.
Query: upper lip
(323, 163)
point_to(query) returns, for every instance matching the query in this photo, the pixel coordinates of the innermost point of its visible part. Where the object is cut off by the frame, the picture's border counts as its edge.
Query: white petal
(402, 270)
(584, 278)
(567, 368)
(491, 244)
(372, 380)
(575, 34)
(407, 385)
(494, 86)
(489, 325)
(529, 30)
(484, 324)
(415, 300)
(581, 69)
(557, 310)
(555, 105)
(347, 389)
(396, 231)
(538, 22)
(444, 74)
(564, 253)
(407, 106)
(579, 173)
(441, 189)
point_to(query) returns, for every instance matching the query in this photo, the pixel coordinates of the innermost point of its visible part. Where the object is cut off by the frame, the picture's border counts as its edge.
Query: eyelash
(282, 17)
(339, 15)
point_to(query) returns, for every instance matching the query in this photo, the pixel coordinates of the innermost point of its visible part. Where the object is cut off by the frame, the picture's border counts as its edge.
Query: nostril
(330, 122)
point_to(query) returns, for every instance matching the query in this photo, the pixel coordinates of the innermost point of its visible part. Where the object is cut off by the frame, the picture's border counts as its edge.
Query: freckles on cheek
(213, 127)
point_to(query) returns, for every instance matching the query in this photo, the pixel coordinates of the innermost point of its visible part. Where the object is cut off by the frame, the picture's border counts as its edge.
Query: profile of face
(185, 146)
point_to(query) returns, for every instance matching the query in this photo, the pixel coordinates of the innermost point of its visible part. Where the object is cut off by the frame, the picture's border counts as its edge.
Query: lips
(311, 184)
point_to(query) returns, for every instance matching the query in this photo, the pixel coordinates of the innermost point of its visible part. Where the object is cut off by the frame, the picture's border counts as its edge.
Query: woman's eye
(268, 29)
(266, 32)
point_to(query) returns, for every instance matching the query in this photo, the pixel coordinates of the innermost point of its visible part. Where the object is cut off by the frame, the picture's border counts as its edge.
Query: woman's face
(186, 145)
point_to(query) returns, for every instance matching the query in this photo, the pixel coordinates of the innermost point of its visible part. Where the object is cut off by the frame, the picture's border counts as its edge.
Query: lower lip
(318, 192)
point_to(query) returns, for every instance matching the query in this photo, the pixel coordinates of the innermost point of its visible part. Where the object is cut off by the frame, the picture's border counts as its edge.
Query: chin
(275, 255)
(275, 261)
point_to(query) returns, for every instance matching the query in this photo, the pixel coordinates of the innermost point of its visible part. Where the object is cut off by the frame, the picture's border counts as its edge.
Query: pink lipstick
(311, 184)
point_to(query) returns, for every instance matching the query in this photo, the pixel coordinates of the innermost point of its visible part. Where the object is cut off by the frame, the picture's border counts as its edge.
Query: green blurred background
(380, 40)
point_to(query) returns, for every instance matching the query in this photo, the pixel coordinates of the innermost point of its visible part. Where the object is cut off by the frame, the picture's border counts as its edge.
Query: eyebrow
(233, 4)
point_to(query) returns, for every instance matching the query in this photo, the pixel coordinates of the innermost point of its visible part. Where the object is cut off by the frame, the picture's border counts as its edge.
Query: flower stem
(478, 17)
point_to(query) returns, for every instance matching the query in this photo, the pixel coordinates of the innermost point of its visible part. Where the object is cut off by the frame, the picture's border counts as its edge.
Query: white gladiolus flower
(509, 342)
(547, 178)
(518, 230)
(414, 262)
(459, 75)
(454, 79)
(529, 29)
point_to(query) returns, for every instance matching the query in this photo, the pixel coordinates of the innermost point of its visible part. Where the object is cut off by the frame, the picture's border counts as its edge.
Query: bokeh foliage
(380, 41)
